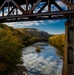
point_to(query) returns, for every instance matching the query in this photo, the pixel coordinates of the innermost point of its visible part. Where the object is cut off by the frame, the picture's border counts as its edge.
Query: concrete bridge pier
(69, 48)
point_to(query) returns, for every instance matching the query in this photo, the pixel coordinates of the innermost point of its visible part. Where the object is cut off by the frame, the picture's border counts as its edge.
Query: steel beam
(11, 10)
(19, 7)
(8, 9)
(2, 5)
(26, 5)
(48, 5)
(36, 19)
(42, 8)
(58, 6)
(36, 4)
(3, 11)
(39, 15)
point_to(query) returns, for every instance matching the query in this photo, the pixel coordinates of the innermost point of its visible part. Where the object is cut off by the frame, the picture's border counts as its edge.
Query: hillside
(10, 48)
(28, 35)
(33, 32)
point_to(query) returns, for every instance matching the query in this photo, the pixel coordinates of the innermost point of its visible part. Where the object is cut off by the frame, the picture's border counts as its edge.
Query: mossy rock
(38, 49)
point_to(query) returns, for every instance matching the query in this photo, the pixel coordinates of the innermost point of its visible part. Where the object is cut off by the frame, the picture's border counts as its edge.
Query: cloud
(31, 23)
(23, 24)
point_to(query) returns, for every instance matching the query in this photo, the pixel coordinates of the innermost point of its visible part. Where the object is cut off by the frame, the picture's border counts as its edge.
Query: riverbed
(47, 62)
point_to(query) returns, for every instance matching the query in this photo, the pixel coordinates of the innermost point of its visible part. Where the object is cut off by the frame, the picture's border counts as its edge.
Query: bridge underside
(30, 10)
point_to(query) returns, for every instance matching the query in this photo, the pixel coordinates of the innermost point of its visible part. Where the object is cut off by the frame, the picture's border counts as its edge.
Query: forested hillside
(35, 34)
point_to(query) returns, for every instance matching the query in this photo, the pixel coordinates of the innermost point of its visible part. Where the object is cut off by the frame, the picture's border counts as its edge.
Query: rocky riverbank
(20, 70)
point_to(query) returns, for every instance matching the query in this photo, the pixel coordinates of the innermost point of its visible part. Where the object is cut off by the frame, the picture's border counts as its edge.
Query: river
(47, 62)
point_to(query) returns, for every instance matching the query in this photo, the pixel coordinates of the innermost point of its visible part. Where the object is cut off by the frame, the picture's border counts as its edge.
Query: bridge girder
(25, 10)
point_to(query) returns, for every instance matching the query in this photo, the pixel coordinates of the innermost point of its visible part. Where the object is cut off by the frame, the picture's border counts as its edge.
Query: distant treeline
(58, 41)
(34, 35)
(11, 43)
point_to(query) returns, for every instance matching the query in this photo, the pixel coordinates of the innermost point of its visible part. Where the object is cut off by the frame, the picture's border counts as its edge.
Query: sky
(50, 26)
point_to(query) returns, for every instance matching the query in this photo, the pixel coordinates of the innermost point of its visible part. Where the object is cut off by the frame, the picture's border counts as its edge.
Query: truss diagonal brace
(58, 6)
(42, 7)
(36, 4)
(20, 8)
(2, 5)
(11, 10)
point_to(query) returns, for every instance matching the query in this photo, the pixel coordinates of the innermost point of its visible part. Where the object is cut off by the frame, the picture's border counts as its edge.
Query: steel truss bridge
(31, 10)
(24, 10)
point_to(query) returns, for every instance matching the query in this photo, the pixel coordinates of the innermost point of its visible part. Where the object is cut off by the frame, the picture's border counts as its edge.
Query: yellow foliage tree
(58, 41)
(10, 51)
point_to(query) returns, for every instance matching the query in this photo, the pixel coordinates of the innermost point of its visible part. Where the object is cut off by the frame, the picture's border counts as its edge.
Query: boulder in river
(38, 49)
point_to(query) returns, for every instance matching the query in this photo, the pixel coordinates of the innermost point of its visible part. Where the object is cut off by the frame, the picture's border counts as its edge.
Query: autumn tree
(10, 51)
(58, 41)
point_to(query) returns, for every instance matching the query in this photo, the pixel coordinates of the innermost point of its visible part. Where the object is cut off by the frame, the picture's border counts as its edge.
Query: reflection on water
(47, 62)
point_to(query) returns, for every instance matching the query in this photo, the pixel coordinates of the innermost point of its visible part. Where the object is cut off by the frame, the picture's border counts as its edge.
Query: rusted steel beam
(58, 6)
(26, 5)
(36, 4)
(36, 19)
(19, 7)
(42, 8)
(16, 11)
(22, 2)
(49, 6)
(40, 14)
(2, 5)
(8, 8)
(11, 10)
(3, 11)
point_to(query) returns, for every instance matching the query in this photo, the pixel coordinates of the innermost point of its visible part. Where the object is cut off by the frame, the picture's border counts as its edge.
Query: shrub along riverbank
(58, 41)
